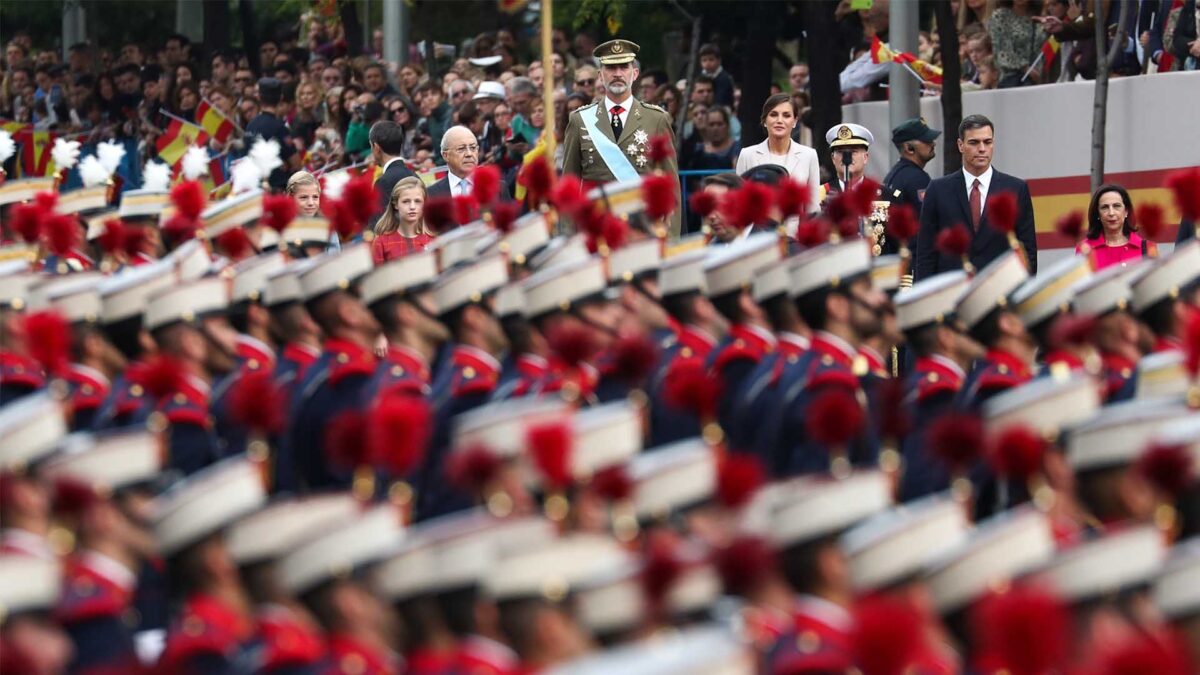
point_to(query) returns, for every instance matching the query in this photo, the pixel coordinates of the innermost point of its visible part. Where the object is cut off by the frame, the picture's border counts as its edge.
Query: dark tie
(976, 206)
(616, 121)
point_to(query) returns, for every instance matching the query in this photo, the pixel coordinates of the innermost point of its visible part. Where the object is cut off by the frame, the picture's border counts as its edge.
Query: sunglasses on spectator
(585, 83)
(243, 79)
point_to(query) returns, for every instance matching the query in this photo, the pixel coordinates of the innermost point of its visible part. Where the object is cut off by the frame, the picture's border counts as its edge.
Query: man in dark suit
(962, 197)
(460, 148)
(387, 146)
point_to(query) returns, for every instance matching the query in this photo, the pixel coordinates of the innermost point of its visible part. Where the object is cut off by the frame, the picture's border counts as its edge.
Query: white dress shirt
(608, 106)
(985, 181)
(455, 180)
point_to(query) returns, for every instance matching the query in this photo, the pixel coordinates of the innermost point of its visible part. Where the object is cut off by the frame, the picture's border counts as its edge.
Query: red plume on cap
(471, 470)
(62, 233)
(466, 209)
(813, 232)
(341, 219)
(360, 196)
(47, 201)
(188, 198)
(398, 432)
(235, 243)
(902, 222)
(572, 342)
(134, 241)
(1140, 653)
(702, 203)
(1151, 220)
(1185, 184)
(954, 241)
(613, 484)
(1070, 225)
(658, 192)
(1168, 468)
(748, 205)
(956, 439)
(162, 376)
(661, 568)
(1017, 452)
(886, 636)
(614, 230)
(49, 340)
(745, 563)
(894, 421)
(550, 448)
(73, 496)
(862, 197)
(792, 197)
(1002, 211)
(660, 148)
(634, 357)
(179, 229)
(690, 387)
(834, 417)
(256, 403)
(112, 240)
(346, 440)
(26, 221)
(568, 196)
(485, 183)
(1025, 631)
(278, 212)
(1191, 342)
(439, 214)
(504, 215)
(538, 178)
(1072, 330)
(738, 477)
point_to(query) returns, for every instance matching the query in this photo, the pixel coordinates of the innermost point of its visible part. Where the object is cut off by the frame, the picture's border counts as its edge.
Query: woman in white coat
(780, 116)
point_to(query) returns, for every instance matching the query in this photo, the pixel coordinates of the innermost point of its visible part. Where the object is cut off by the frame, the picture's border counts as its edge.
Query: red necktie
(976, 206)
(616, 121)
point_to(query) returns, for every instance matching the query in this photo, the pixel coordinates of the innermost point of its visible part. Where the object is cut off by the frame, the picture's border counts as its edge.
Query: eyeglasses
(243, 79)
(585, 83)
(466, 149)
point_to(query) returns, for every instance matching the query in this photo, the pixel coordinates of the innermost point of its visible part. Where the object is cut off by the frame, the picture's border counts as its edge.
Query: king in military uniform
(607, 141)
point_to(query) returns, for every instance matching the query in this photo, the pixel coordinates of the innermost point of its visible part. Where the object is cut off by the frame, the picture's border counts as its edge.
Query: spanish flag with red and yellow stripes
(178, 137)
(882, 53)
(214, 123)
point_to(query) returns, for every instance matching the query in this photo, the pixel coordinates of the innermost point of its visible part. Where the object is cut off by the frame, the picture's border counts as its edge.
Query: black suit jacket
(387, 181)
(440, 188)
(946, 205)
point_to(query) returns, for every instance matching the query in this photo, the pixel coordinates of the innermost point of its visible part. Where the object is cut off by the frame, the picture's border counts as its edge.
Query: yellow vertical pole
(548, 77)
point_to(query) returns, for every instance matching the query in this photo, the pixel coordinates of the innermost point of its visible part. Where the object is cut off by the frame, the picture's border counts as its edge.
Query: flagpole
(177, 118)
(548, 126)
(1035, 64)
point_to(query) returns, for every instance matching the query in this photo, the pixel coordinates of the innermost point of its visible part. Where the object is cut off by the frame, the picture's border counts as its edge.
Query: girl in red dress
(401, 229)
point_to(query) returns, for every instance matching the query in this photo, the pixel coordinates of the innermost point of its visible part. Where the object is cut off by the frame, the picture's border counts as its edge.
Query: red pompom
(748, 205)
(589, 219)
(957, 440)
(569, 196)
(661, 568)
(813, 232)
(887, 636)
(613, 484)
(235, 243)
(792, 197)
(702, 203)
(634, 356)
(1191, 342)
(256, 403)
(738, 477)
(1072, 330)
(1025, 631)
(660, 148)
(538, 179)
(278, 212)
(1070, 225)
(834, 417)
(341, 219)
(690, 387)
(745, 563)
(398, 432)
(1002, 211)
(179, 229)
(572, 342)
(439, 214)
(346, 440)
(954, 241)
(1017, 453)
(1140, 653)
(472, 469)
(504, 215)
(902, 222)
(550, 448)
(1151, 220)
(73, 496)
(848, 228)
(1185, 184)
(49, 340)
(658, 192)
(26, 221)
(615, 231)
(360, 196)
(46, 201)
(135, 240)
(894, 419)
(62, 233)
(1168, 468)
(485, 183)
(862, 198)
(188, 198)
(112, 240)
(162, 376)
(466, 209)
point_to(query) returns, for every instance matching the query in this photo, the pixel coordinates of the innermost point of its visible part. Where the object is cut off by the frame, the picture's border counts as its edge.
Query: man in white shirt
(460, 149)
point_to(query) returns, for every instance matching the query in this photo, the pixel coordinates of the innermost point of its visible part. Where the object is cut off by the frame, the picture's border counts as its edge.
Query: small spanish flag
(880, 51)
(214, 123)
(1049, 50)
(178, 137)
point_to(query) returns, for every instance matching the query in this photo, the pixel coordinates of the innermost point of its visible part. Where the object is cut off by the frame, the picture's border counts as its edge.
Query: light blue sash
(610, 152)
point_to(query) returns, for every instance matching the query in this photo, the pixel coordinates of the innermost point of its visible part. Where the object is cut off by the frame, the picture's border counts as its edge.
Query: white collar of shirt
(390, 162)
(985, 181)
(745, 234)
(828, 613)
(948, 363)
(796, 339)
(111, 569)
(608, 106)
(455, 180)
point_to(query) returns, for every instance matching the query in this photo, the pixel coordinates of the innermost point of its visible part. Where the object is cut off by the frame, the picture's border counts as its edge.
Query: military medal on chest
(637, 148)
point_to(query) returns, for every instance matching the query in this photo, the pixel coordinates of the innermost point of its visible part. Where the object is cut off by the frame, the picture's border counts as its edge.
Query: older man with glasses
(460, 149)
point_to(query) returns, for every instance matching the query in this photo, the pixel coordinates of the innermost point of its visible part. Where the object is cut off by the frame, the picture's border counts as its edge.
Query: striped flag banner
(431, 176)
(179, 136)
(214, 122)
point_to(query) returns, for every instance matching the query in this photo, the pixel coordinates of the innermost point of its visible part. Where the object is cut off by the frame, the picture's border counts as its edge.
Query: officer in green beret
(607, 141)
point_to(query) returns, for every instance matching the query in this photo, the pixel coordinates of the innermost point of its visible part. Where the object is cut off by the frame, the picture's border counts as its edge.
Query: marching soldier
(19, 373)
(399, 296)
(990, 320)
(607, 141)
(905, 183)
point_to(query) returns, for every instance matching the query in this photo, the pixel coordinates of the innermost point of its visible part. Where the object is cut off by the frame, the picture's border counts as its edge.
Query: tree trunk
(764, 26)
(693, 58)
(250, 35)
(951, 86)
(824, 67)
(1104, 61)
(216, 27)
(348, 11)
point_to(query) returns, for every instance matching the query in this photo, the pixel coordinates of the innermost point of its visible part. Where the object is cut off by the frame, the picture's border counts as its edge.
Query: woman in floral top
(1016, 40)
(401, 230)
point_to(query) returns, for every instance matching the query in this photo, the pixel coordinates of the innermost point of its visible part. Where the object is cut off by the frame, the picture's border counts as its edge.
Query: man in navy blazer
(387, 147)
(962, 197)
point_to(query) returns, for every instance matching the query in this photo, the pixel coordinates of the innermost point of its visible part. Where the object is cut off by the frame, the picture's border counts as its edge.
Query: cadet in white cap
(30, 430)
(1163, 292)
(301, 336)
(527, 363)
(529, 234)
(32, 640)
(1045, 300)
(633, 270)
(1105, 296)
(1175, 592)
(19, 373)
(991, 320)
(850, 146)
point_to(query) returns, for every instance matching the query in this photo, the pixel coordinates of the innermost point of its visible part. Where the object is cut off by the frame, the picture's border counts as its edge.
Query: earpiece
(909, 147)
